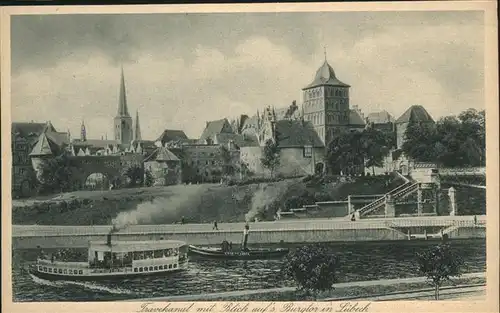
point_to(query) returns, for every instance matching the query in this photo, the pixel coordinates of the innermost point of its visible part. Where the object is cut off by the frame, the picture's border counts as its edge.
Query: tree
(148, 178)
(344, 151)
(420, 140)
(226, 161)
(375, 146)
(438, 264)
(270, 156)
(451, 142)
(135, 175)
(312, 268)
(56, 174)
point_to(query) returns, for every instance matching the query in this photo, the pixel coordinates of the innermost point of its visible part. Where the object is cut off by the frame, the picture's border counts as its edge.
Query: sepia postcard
(299, 158)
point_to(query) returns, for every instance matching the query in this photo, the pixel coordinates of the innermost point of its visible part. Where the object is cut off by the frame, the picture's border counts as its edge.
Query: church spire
(83, 133)
(137, 127)
(122, 100)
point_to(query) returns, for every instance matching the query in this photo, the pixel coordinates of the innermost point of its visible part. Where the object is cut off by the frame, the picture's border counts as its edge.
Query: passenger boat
(117, 260)
(226, 252)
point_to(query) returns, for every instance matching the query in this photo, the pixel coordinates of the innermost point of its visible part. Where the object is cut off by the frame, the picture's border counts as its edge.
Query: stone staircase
(397, 193)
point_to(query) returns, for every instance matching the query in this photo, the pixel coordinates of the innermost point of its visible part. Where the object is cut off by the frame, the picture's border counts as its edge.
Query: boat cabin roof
(135, 246)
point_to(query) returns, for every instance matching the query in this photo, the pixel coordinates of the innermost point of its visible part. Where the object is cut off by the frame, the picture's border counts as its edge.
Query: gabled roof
(169, 135)
(240, 140)
(325, 75)
(415, 113)
(355, 118)
(293, 134)
(382, 117)
(44, 146)
(33, 129)
(162, 154)
(58, 138)
(216, 127)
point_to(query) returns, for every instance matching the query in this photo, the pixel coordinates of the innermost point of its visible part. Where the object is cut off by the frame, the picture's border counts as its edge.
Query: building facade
(326, 103)
(164, 167)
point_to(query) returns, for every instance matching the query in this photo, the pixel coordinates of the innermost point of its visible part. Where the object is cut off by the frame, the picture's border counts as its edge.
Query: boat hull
(101, 277)
(237, 255)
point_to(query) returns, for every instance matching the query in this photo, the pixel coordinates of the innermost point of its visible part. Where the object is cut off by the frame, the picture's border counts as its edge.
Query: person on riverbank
(475, 220)
(215, 226)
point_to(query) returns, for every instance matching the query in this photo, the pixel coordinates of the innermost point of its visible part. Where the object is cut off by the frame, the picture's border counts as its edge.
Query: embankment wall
(257, 237)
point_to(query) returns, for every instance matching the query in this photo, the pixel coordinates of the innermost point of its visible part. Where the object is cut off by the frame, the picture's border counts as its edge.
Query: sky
(182, 70)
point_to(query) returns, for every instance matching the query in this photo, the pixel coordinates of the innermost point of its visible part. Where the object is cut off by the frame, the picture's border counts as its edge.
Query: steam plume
(159, 208)
(264, 197)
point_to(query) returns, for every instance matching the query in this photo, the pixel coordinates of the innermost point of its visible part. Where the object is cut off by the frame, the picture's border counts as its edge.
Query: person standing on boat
(245, 237)
(215, 226)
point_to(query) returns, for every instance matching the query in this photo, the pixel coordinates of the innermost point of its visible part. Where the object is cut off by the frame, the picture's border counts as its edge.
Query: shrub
(313, 268)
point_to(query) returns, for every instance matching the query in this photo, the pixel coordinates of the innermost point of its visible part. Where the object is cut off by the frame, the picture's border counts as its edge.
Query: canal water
(359, 262)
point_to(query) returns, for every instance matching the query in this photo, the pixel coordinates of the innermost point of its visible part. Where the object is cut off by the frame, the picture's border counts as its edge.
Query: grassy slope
(197, 203)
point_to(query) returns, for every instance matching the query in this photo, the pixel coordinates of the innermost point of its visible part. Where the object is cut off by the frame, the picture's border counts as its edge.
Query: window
(170, 266)
(71, 272)
(307, 151)
(80, 272)
(44, 269)
(60, 271)
(150, 268)
(136, 269)
(65, 271)
(39, 268)
(140, 269)
(175, 265)
(50, 270)
(160, 267)
(145, 269)
(156, 268)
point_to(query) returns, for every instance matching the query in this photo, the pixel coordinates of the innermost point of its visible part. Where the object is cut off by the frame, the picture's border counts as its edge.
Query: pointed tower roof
(43, 146)
(137, 133)
(122, 98)
(325, 75)
(416, 113)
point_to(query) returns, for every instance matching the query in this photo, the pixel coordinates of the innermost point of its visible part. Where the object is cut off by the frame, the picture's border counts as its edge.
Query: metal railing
(378, 202)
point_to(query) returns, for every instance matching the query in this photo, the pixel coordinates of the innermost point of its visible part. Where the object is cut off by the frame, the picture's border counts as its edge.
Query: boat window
(150, 268)
(135, 269)
(175, 265)
(158, 254)
(65, 271)
(80, 272)
(160, 267)
(39, 268)
(44, 269)
(145, 268)
(167, 252)
(71, 272)
(170, 266)
(156, 268)
(50, 270)
(60, 271)
(148, 254)
(140, 269)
